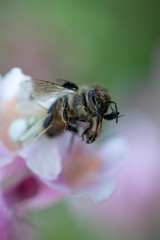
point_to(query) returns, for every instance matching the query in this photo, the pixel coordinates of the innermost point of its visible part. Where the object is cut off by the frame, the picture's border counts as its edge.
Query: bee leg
(111, 116)
(97, 130)
(74, 130)
(71, 143)
(87, 130)
(114, 114)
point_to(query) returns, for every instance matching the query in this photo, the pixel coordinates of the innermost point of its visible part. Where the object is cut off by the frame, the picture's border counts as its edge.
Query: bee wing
(43, 90)
(34, 132)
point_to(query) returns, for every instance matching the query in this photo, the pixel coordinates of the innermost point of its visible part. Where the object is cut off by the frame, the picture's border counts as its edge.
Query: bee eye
(91, 97)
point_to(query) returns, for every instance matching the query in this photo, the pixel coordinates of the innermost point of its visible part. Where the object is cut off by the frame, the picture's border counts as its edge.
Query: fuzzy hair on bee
(79, 110)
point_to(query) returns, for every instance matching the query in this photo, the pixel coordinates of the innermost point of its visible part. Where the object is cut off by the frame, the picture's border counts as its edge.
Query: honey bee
(75, 108)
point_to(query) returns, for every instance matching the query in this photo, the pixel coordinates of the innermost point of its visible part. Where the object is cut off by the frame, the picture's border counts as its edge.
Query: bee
(75, 108)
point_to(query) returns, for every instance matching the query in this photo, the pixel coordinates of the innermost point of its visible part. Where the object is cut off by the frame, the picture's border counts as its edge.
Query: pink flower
(18, 115)
(136, 202)
(86, 169)
(134, 208)
(13, 223)
(19, 188)
(18, 193)
(138, 190)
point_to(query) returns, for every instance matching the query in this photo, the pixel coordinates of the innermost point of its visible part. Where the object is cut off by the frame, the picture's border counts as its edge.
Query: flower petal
(102, 190)
(43, 158)
(23, 190)
(9, 83)
(4, 220)
(114, 151)
(6, 156)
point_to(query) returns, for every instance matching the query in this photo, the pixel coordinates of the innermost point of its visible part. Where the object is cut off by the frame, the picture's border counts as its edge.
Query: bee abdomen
(48, 119)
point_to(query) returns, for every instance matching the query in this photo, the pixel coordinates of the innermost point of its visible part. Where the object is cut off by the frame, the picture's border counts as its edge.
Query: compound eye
(91, 98)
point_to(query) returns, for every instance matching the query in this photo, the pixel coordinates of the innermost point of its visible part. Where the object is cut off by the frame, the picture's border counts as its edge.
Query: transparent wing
(33, 133)
(41, 89)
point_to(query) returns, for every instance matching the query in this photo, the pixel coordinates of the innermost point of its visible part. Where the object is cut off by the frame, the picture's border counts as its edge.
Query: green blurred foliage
(58, 223)
(86, 41)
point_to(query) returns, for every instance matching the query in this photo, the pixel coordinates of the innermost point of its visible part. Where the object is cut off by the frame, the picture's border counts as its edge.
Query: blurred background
(112, 42)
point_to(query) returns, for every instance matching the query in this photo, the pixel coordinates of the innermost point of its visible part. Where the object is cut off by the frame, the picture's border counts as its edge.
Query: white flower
(9, 84)
(43, 158)
(18, 115)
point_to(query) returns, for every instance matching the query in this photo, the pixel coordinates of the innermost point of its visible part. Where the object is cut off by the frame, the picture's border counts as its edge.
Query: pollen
(8, 115)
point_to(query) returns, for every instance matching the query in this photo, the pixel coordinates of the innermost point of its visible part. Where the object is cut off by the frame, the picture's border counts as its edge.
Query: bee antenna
(117, 113)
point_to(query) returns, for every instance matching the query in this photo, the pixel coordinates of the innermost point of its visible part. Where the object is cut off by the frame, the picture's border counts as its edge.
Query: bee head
(99, 98)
